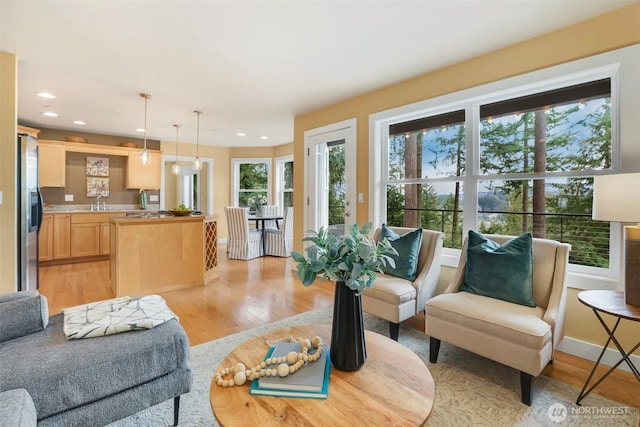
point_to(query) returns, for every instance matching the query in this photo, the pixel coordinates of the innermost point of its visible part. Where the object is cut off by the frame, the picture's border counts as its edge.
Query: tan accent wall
(607, 32)
(8, 181)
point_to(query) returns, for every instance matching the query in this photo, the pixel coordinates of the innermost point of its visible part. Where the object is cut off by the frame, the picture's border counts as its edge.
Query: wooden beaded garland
(286, 365)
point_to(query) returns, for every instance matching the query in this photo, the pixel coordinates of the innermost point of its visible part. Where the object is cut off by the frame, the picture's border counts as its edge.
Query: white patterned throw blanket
(115, 315)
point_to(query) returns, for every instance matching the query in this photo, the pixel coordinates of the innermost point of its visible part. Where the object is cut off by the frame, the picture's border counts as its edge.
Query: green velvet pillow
(408, 247)
(504, 272)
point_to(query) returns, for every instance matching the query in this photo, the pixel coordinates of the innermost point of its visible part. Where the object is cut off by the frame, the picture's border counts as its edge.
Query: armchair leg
(394, 330)
(434, 349)
(176, 410)
(526, 387)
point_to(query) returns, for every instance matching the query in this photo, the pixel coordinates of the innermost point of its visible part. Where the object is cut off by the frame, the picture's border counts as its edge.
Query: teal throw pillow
(408, 247)
(504, 272)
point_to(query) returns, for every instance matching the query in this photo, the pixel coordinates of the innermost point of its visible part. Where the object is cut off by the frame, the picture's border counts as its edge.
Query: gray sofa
(83, 382)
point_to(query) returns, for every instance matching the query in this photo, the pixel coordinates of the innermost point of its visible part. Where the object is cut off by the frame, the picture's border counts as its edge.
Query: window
(284, 182)
(251, 178)
(525, 150)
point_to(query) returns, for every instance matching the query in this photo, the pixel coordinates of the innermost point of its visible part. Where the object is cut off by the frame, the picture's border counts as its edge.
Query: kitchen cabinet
(45, 239)
(144, 177)
(51, 165)
(61, 236)
(90, 234)
(54, 240)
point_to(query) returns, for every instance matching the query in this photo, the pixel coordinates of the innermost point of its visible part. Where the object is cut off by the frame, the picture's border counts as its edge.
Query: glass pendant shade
(197, 163)
(145, 156)
(175, 169)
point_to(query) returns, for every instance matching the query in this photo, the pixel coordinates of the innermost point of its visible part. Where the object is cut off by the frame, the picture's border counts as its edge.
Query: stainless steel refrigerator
(29, 212)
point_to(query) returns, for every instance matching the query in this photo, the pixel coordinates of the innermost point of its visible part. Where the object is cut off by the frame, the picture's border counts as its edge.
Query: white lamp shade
(617, 197)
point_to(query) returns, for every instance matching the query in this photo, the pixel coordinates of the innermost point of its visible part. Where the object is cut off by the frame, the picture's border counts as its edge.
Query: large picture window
(507, 158)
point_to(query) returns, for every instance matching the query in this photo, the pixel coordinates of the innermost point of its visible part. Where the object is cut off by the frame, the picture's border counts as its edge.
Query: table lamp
(617, 198)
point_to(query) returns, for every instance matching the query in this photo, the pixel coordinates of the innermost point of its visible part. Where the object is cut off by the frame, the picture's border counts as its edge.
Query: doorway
(192, 188)
(330, 185)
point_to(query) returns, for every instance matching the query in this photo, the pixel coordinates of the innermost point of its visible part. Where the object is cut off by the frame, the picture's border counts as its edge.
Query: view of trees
(253, 181)
(567, 141)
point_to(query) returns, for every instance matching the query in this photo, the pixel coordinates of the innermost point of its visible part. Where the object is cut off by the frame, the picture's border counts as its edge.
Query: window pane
(253, 176)
(428, 152)
(558, 209)
(568, 137)
(434, 207)
(288, 175)
(288, 199)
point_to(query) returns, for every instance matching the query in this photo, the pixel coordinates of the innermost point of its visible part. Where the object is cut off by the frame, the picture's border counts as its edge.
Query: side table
(612, 303)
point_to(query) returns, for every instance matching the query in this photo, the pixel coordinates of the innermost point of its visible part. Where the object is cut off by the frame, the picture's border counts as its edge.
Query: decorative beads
(286, 365)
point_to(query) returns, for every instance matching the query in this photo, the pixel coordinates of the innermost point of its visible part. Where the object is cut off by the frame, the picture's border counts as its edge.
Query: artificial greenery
(353, 259)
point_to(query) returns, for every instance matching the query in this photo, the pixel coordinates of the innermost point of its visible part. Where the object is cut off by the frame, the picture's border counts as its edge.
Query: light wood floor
(263, 290)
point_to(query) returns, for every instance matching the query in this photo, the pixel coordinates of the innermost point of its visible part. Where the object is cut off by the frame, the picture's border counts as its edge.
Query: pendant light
(197, 163)
(176, 167)
(145, 156)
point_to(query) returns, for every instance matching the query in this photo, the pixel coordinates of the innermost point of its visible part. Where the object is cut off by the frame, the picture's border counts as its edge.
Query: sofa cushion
(61, 374)
(22, 313)
(408, 248)
(511, 322)
(500, 271)
(17, 409)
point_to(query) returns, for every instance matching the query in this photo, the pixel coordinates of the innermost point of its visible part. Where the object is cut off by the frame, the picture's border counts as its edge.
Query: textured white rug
(470, 390)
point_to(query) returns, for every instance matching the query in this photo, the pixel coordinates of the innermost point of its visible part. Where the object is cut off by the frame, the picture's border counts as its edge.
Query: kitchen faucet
(98, 202)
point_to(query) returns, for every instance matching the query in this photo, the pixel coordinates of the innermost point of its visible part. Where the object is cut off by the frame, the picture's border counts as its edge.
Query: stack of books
(310, 381)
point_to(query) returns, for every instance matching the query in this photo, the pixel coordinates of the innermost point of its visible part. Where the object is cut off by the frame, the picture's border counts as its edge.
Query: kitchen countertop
(87, 208)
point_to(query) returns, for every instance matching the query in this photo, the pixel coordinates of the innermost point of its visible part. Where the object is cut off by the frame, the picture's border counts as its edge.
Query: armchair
(519, 336)
(396, 299)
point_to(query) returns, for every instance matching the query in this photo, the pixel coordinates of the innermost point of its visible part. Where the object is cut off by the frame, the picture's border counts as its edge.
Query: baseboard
(591, 352)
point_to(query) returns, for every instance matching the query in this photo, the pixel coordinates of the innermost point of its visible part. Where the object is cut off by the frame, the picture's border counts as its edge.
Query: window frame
(235, 176)
(607, 65)
(279, 189)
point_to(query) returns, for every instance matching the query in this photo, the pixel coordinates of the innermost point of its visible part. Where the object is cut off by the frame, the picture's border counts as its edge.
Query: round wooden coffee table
(394, 387)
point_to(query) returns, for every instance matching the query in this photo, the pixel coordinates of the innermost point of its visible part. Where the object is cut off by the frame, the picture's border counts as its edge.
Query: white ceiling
(249, 66)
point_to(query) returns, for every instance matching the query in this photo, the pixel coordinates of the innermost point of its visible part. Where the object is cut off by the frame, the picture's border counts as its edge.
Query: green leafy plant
(353, 259)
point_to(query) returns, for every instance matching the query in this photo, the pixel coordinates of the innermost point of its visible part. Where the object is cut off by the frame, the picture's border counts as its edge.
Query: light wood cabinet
(54, 240)
(144, 177)
(61, 236)
(90, 234)
(45, 239)
(51, 165)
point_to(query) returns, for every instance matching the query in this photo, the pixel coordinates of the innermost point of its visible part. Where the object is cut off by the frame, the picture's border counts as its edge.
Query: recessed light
(139, 130)
(46, 95)
(50, 114)
(241, 134)
(264, 137)
(79, 122)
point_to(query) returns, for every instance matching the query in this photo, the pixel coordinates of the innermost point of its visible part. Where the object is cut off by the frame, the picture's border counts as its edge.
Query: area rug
(470, 390)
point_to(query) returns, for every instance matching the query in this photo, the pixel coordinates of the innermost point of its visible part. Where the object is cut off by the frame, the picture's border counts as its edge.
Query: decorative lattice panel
(210, 246)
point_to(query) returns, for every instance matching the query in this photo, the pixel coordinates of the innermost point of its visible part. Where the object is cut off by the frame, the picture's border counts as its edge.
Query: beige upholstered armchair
(396, 299)
(522, 337)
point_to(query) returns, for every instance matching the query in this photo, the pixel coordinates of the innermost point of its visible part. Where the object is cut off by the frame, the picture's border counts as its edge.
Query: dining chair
(242, 242)
(279, 242)
(270, 210)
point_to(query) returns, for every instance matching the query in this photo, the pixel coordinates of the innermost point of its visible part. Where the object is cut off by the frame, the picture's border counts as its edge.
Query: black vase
(348, 350)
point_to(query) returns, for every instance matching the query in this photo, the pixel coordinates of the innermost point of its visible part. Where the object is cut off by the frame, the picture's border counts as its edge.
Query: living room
(605, 33)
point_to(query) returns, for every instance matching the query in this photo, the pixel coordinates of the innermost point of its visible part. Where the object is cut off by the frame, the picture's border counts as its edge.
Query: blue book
(312, 381)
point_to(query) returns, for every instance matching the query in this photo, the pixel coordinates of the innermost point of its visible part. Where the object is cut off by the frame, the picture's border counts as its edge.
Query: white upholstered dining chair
(242, 242)
(520, 336)
(279, 242)
(270, 210)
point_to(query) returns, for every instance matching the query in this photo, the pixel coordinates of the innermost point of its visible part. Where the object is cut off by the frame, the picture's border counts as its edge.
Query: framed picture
(97, 166)
(97, 187)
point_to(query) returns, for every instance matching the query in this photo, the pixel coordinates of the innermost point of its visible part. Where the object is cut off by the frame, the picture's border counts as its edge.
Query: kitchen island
(153, 253)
